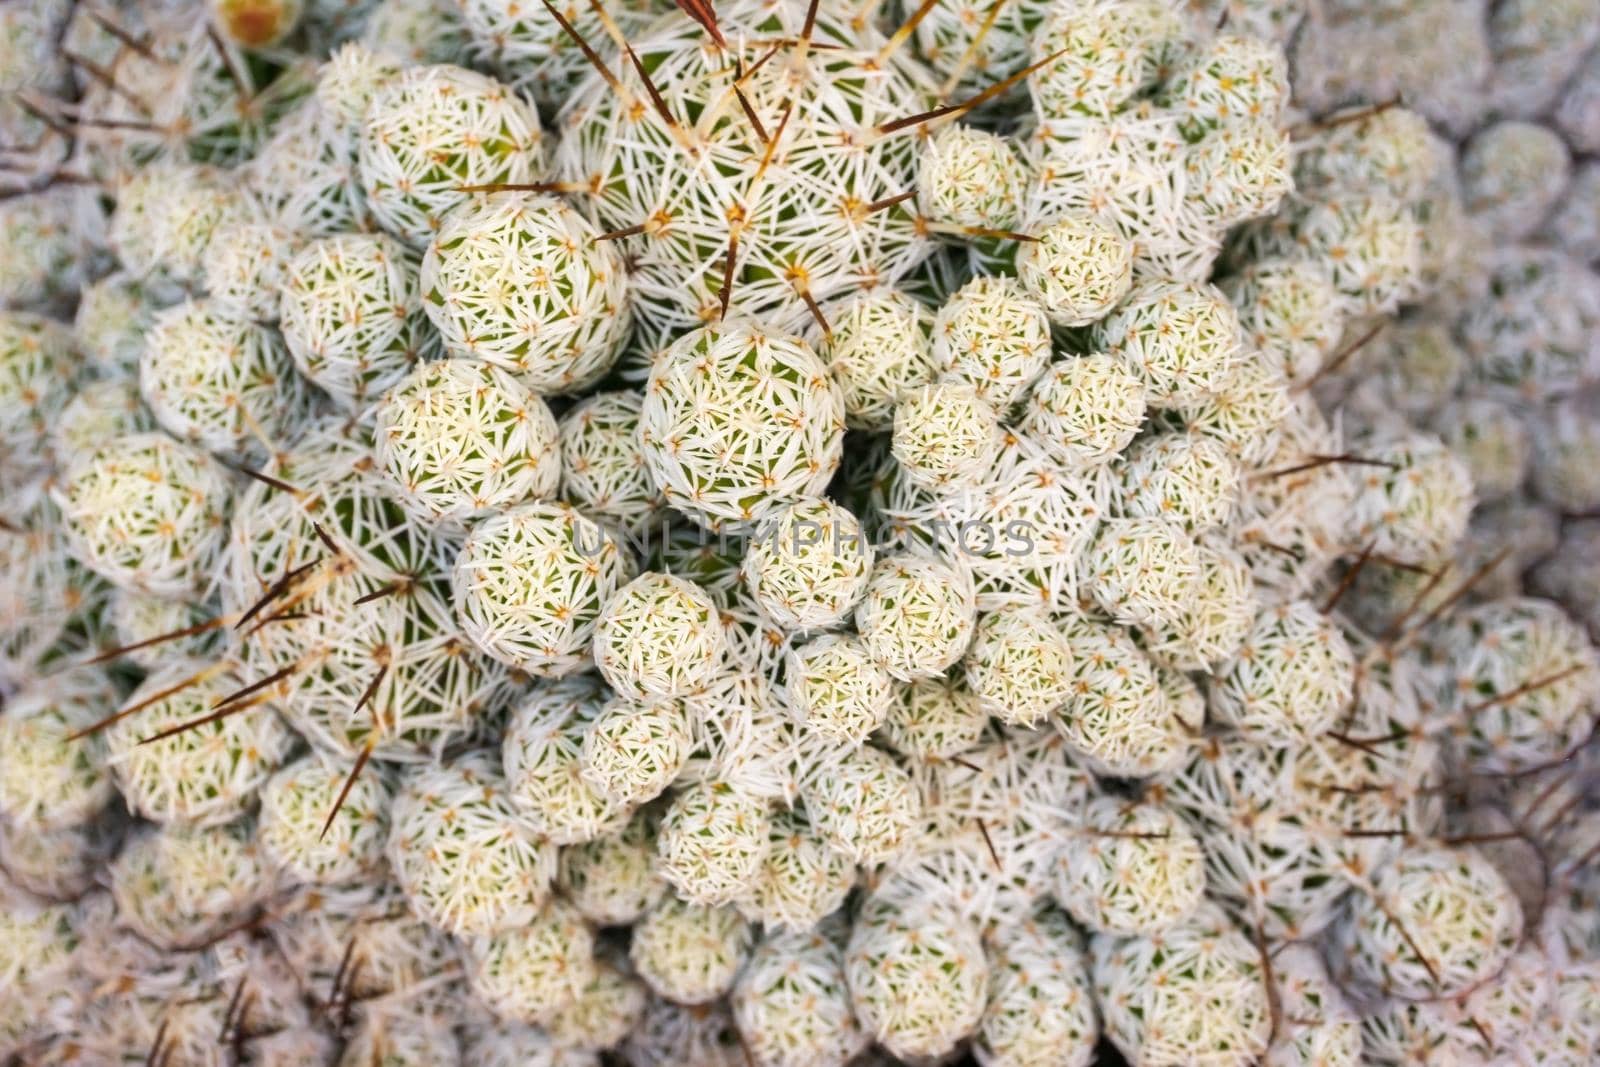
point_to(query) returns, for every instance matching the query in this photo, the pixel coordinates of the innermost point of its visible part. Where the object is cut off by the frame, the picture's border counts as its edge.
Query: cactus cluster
(799, 533)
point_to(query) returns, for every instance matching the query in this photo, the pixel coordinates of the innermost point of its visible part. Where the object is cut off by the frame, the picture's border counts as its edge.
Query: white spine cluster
(1181, 340)
(738, 422)
(432, 130)
(1191, 994)
(351, 316)
(633, 751)
(879, 345)
(297, 804)
(918, 615)
(689, 953)
(530, 582)
(803, 880)
(659, 637)
(918, 982)
(946, 436)
(543, 759)
(602, 468)
(1078, 268)
(864, 804)
(970, 177)
(792, 1003)
(1040, 1007)
(834, 687)
(933, 718)
(613, 879)
(176, 773)
(1085, 410)
(536, 969)
(1132, 869)
(1120, 720)
(1436, 921)
(713, 842)
(1291, 678)
(1511, 175)
(1289, 311)
(146, 513)
(1185, 478)
(1110, 52)
(1414, 505)
(995, 336)
(218, 380)
(808, 566)
(179, 887)
(1019, 666)
(48, 782)
(460, 439)
(1144, 571)
(521, 282)
(500, 871)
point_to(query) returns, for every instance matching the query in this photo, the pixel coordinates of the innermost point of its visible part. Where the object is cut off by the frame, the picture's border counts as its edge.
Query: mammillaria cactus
(294, 828)
(1291, 678)
(1040, 1008)
(803, 880)
(430, 131)
(1135, 869)
(461, 439)
(502, 872)
(612, 880)
(530, 583)
(351, 315)
(792, 1002)
(970, 177)
(542, 755)
(1437, 921)
(995, 336)
(879, 345)
(809, 565)
(658, 637)
(146, 513)
(918, 982)
(946, 435)
(179, 887)
(713, 841)
(48, 779)
(1085, 410)
(536, 968)
(863, 803)
(918, 615)
(561, 324)
(738, 422)
(1019, 666)
(602, 468)
(690, 953)
(1181, 340)
(836, 689)
(633, 751)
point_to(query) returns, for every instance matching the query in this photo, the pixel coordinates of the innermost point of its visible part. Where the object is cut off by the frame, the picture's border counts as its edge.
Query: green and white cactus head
(1512, 173)
(37, 366)
(1491, 439)
(1291, 678)
(1040, 1006)
(530, 584)
(1193, 993)
(946, 435)
(1436, 921)
(1217, 622)
(304, 179)
(166, 217)
(99, 410)
(1245, 412)
(175, 773)
(109, 325)
(800, 226)
(1019, 666)
(659, 636)
(1078, 268)
(864, 804)
(432, 130)
(348, 80)
(384, 1034)
(634, 749)
(1186, 478)
(543, 758)
(602, 468)
(1414, 506)
(1390, 149)
(972, 45)
(835, 689)
(49, 781)
(602, 1016)
(1181, 340)
(934, 718)
(689, 953)
(1120, 720)
(918, 615)
(296, 835)
(468, 861)
(1085, 410)
(970, 177)
(613, 880)
(1493, 1020)
(1289, 311)
(537, 968)
(45, 250)
(219, 380)
(803, 880)
(1144, 571)
(809, 565)
(918, 982)
(792, 1002)
(739, 421)
(179, 887)
(146, 513)
(879, 344)
(351, 316)
(993, 334)
(1239, 173)
(1109, 52)
(244, 266)
(1228, 82)
(713, 842)
(1132, 870)
(1516, 677)
(417, 31)
(461, 439)
(1529, 336)
(1371, 246)
(520, 281)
